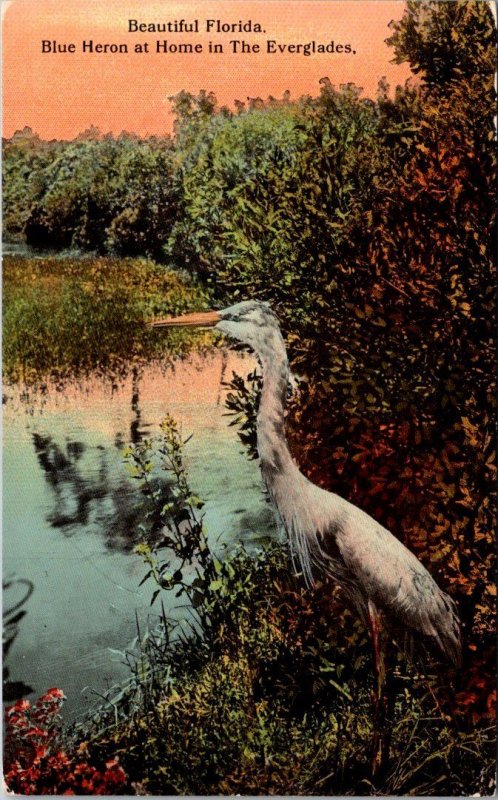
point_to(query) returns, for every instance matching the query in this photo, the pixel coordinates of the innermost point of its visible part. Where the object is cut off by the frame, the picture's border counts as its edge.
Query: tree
(446, 43)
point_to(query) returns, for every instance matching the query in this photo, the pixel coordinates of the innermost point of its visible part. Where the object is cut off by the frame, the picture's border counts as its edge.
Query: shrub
(382, 272)
(97, 193)
(35, 763)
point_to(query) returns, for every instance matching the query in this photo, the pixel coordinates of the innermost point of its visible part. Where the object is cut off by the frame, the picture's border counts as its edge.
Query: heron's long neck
(273, 449)
(287, 486)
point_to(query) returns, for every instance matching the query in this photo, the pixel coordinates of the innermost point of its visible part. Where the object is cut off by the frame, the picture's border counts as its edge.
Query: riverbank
(72, 513)
(68, 318)
(265, 693)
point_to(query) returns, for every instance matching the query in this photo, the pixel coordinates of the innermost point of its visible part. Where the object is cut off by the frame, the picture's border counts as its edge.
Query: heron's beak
(199, 319)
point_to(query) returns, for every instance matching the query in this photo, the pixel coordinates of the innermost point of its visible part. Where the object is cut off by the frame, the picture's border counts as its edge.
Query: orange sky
(59, 95)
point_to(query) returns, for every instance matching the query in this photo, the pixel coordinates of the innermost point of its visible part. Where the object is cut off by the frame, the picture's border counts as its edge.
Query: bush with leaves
(217, 155)
(97, 193)
(384, 283)
(180, 559)
(35, 761)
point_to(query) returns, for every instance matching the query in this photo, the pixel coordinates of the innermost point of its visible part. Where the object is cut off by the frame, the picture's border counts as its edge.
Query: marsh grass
(68, 318)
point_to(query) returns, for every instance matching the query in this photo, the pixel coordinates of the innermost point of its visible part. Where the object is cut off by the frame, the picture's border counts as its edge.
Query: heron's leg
(375, 629)
(379, 756)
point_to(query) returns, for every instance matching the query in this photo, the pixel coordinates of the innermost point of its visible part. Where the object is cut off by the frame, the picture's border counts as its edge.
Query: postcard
(248, 397)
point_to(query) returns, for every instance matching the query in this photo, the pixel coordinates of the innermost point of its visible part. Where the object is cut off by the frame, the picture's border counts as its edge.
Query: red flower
(18, 707)
(58, 693)
(44, 768)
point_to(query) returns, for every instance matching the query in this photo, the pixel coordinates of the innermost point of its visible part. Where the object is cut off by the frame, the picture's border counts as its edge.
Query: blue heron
(328, 535)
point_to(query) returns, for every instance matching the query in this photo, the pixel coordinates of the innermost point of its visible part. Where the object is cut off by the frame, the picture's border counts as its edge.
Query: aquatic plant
(67, 318)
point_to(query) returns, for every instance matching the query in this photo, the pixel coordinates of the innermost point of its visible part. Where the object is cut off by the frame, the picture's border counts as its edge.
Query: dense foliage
(374, 238)
(97, 193)
(370, 227)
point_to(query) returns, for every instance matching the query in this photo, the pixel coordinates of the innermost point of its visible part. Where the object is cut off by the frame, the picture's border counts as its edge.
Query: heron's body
(332, 536)
(328, 535)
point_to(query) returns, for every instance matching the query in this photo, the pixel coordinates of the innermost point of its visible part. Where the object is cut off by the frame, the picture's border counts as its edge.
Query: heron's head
(251, 322)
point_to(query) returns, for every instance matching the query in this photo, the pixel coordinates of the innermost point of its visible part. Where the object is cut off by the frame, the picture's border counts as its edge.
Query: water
(25, 250)
(71, 514)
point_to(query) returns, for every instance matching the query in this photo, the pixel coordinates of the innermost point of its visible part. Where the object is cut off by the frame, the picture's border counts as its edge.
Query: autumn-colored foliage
(371, 228)
(388, 307)
(36, 763)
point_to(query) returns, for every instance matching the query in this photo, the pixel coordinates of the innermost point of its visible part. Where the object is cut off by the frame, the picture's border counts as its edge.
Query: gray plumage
(328, 535)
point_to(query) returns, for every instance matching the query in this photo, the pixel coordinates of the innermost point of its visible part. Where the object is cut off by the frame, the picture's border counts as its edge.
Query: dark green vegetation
(98, 194)
(65, 318)
(370, 227)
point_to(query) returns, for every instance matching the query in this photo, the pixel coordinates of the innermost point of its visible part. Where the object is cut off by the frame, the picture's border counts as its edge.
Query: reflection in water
(82, 496)
(62, 474)
(72, 514)
(258, 527)
(101, 495)
(16, 593)
(135, 435)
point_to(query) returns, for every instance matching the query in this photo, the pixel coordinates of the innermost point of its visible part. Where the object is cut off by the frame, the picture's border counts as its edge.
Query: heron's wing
(390, 575)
